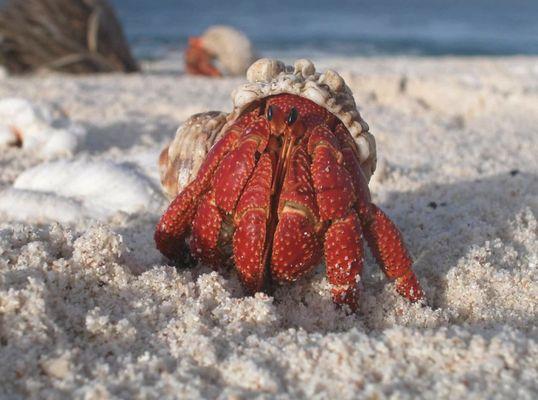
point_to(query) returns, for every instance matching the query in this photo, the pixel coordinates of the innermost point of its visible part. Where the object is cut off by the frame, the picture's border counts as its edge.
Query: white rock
(57, 368)
(68, 191)
(42, 130)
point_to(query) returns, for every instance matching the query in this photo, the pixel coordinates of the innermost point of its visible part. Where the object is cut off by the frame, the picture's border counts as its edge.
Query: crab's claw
(198, 61)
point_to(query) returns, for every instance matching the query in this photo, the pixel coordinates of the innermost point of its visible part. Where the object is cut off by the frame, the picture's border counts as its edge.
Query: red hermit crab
(220, 50)
(284, 185)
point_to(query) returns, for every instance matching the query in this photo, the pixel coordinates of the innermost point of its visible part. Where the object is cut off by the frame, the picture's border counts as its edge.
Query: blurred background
(315, 28)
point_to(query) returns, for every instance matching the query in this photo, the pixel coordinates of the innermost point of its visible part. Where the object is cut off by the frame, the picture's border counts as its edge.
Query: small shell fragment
(243, 96)
(304, 67)
(333, 80)
(364, 148)
(180, 161)
(264, 70)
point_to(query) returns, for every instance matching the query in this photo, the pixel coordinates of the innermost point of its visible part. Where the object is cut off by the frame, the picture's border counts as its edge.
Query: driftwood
(75, 36)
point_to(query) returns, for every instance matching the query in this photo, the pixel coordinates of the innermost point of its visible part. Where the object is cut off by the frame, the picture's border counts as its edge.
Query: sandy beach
(89, 308)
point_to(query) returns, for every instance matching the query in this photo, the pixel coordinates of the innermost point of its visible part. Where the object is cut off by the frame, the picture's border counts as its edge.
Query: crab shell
(180, 161)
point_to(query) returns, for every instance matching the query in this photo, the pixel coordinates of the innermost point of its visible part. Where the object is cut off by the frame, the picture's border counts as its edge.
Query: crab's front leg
(386, 243)
(252, 214)
(382, 235)
(210, 230)
(206, 229)
(175, 223)
(296, 245)
(344, 259)
(335, 198)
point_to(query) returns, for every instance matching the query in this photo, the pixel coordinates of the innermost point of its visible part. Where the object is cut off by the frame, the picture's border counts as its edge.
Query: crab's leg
(251, 221)
(296, 246)
(236, 168)
(175, 223)
(206, 227)
(334, 188)
(335, 197)
(228, 182)
(386, 243)
(350, 161)
(382, 235)
(344, 258)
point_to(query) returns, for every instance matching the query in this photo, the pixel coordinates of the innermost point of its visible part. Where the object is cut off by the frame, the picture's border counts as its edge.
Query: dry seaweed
(75, 36)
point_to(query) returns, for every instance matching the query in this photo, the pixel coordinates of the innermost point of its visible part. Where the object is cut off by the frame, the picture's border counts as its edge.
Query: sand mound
(76, 318)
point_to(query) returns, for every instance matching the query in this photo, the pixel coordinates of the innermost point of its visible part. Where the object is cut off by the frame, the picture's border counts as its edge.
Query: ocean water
(324, 27)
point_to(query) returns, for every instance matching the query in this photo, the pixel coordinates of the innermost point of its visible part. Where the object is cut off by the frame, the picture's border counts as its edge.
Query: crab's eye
(292, 117)
(270, 113)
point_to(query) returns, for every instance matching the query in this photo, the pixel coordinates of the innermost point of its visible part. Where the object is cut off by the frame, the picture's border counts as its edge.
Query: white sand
(92, 310)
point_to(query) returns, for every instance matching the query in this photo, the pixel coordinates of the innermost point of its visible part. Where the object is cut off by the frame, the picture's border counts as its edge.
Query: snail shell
(181, 160)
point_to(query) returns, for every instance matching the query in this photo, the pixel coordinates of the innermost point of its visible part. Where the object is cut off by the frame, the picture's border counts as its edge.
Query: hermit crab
(220, 50)
(280, 183)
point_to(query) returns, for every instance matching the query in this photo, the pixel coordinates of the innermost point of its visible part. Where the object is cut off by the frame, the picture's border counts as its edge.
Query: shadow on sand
(129, 133)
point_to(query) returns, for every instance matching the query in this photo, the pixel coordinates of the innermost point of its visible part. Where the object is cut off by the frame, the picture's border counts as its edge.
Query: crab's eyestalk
(295, 124)
(270, 113)
(292, 116)
(277, 120)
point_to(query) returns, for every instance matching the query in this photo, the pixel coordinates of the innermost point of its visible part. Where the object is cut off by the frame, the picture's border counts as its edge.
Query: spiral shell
(230, 47)
(180, 161)
(266, 77)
